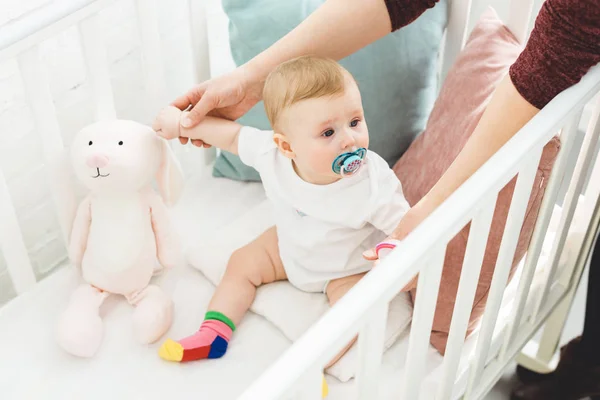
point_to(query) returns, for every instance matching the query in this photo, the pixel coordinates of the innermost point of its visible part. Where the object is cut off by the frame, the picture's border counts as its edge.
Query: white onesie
(324, 229)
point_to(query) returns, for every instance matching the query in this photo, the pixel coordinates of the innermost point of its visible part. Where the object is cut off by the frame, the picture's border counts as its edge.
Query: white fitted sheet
(33, 367)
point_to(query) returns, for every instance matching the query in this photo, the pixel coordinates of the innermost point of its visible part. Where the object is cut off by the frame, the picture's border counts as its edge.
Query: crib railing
(363, 310)
(21, 40)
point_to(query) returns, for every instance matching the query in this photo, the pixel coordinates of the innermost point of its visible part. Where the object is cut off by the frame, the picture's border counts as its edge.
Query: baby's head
(316, 112)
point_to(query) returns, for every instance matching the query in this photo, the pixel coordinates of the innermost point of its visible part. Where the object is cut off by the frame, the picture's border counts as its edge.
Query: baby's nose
(97, 161)
(348, 141)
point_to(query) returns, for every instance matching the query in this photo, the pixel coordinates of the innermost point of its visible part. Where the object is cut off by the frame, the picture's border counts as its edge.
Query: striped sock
(210, 341)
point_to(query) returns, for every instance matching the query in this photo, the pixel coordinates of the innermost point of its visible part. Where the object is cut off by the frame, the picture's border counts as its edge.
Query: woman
(564, 44)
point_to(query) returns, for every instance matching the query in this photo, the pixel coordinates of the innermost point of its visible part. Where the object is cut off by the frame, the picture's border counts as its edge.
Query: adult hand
(228, 96)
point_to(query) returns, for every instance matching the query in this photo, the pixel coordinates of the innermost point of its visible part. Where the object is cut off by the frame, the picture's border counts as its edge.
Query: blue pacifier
(349, 163)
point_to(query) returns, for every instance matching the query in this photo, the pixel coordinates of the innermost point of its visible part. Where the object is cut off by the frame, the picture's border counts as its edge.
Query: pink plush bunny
(120, 231)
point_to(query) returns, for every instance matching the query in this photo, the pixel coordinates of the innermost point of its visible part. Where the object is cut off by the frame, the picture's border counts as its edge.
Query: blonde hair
(306, 77)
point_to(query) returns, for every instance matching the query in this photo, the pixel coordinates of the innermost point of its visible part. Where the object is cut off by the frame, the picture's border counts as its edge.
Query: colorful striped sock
(210, 341)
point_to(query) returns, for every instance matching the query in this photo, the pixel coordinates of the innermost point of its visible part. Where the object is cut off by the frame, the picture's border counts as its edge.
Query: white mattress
(33, 367)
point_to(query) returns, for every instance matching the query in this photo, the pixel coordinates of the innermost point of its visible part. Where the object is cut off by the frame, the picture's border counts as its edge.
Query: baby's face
(319, 130)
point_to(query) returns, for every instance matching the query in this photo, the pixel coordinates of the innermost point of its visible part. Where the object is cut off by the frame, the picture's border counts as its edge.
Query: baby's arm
(390, 209)
(217, 132)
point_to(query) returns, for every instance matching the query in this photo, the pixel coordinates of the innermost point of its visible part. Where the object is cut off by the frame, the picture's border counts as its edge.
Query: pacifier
(350, 162)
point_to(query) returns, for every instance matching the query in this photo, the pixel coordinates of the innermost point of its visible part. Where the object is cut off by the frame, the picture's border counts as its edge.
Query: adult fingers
(206, 104)
(192, 97)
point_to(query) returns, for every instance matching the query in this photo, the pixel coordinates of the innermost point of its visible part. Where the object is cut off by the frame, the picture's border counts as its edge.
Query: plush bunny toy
(120, 231)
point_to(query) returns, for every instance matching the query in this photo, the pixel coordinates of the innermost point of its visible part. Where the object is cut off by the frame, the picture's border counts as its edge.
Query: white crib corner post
(153, 63)
(427, 287)
(370, 351)
(94, 50)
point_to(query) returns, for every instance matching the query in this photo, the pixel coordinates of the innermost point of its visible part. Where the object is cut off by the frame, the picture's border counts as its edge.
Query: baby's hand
(167, 124)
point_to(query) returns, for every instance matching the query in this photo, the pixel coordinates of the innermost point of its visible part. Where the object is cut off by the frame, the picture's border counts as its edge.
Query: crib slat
(593, 187)
(537, 239)
(587, 216)
(569, 204)
(154, 77)
(427, 288)
(469, 277)
(94, 50)
(510, 237)
(11, 243)
(38, 94)
(370, 352)
(583, 162)
(519, 17)
(198, 25)
(456, 32)
(203, 15)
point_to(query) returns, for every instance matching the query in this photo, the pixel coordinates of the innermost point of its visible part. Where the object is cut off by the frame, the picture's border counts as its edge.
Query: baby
(332, 198)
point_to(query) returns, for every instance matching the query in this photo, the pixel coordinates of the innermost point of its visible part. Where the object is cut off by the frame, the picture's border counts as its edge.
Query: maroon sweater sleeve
(563, 46)
(403, 12)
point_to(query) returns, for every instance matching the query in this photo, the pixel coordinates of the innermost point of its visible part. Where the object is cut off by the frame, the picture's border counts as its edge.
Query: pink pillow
(466, 91)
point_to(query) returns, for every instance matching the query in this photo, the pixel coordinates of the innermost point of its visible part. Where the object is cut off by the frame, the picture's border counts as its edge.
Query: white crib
(538, 296)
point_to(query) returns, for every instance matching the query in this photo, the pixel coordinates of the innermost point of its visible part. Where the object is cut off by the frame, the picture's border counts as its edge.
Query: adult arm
(335, 30)
(563, 46)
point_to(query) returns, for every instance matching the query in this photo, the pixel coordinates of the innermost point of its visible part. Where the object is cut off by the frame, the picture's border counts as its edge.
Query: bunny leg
(153, 313)
(80, 329)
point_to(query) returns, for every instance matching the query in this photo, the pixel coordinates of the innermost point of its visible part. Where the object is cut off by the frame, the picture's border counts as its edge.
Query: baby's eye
(328, 133)
(354, 123)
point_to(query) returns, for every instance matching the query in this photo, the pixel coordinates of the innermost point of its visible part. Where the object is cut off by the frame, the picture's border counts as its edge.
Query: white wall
(20, 150)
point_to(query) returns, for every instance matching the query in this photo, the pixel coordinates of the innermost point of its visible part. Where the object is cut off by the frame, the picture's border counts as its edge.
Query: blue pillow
(397, 75)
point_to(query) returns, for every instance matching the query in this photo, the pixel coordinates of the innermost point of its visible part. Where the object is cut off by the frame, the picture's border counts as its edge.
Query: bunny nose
(97, 161)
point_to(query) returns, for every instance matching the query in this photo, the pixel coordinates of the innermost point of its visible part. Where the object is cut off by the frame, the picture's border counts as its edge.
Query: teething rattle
(384, 248)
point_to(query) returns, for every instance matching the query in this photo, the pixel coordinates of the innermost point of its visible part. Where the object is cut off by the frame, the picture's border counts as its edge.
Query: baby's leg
(336, 289)
(249, 267)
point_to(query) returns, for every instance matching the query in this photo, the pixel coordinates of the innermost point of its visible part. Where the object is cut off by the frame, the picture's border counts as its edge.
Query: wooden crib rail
(20, 40)
(423, 252)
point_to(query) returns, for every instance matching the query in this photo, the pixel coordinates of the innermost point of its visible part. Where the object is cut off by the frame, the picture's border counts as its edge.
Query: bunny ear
(169, 175)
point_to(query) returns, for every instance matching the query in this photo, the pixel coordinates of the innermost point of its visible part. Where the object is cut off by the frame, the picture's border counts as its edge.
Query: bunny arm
(167, 245)
(80, 232)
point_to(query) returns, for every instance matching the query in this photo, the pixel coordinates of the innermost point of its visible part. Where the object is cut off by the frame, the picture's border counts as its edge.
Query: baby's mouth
(99, 175)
